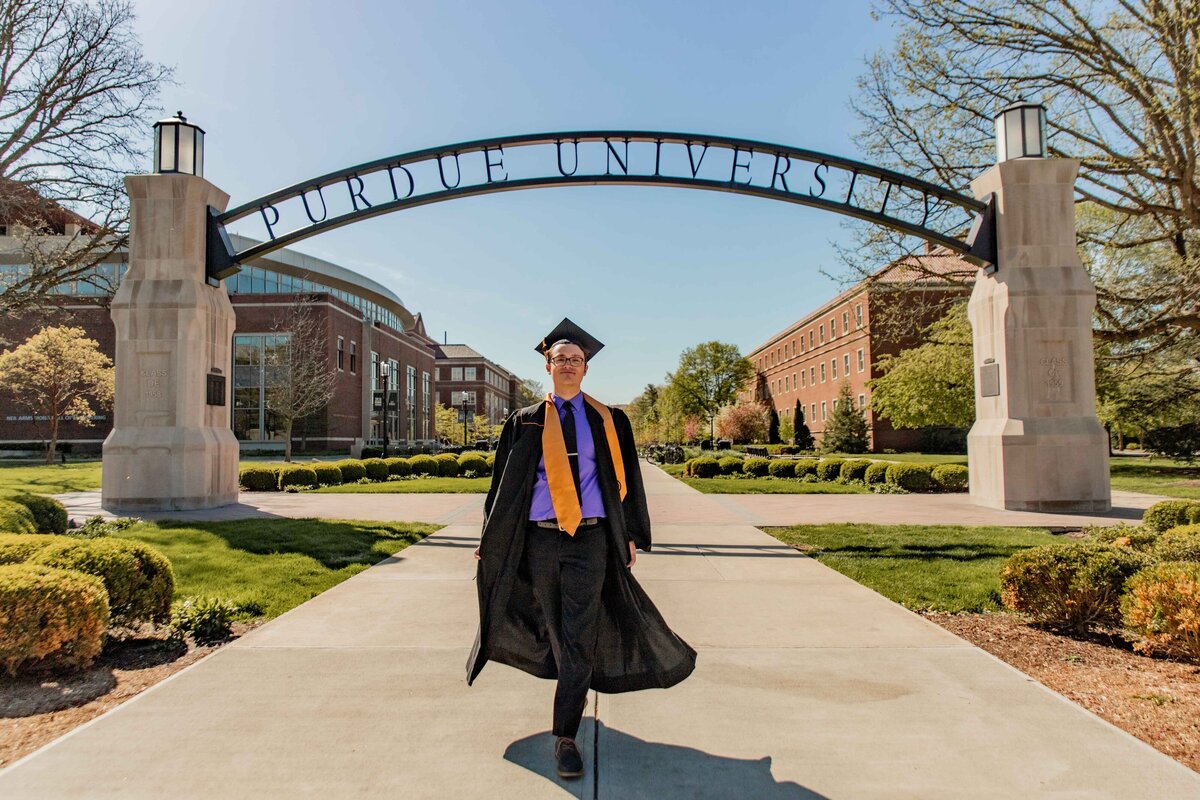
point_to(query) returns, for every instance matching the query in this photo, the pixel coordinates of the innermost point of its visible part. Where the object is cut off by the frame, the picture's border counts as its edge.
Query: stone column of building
(169, 449)
(1036, 444)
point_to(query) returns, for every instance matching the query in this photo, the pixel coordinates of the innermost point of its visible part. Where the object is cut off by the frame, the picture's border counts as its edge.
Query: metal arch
(223, 260)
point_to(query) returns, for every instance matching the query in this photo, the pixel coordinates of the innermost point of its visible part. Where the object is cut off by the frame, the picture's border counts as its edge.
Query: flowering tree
(746, 422)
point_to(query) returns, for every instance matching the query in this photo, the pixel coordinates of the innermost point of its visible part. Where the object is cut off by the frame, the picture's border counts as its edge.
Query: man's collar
(576, 401)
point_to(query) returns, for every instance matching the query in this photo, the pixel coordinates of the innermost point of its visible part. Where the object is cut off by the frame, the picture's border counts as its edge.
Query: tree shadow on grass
(629, 767)
(947, 552)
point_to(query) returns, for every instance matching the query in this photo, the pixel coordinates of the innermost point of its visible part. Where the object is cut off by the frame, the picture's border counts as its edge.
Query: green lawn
(31, 476)
(272, 565)
(420, 485)
(935, 567)
(1155, 476)
(769, 486)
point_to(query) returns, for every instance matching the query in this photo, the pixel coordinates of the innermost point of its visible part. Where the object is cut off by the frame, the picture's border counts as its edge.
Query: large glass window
(469, 373)
(254, 374)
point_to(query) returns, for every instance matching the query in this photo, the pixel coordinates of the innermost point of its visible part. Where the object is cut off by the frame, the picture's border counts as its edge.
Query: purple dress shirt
(592, 502)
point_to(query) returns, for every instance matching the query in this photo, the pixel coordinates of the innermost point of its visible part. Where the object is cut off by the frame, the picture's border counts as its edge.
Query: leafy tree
(449, 429)
(846, 431)
(708, 378)
(773, 427)
(1120, 83)
(55, 375)
(802, 437)
(75, 96)
(479, 428)
(300, 380)
(529, 392)
(932, 385)
(787, 430)
(745, 422)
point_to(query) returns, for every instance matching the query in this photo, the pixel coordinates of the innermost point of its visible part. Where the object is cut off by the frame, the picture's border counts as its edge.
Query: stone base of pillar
(169, 469)
(1041, 465)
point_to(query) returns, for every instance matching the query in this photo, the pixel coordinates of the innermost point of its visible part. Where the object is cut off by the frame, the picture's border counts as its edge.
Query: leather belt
(552, 524)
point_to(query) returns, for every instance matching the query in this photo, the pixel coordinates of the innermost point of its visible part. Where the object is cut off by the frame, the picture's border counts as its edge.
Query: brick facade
(493, 387)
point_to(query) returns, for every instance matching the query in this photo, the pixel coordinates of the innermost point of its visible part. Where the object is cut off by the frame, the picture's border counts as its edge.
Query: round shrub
(1069, 585)
(398, 467)
(805, 466)
(352, 469)
(1160, 605)
(730, 465)
(756, 467)
(854, 469)
(828, 469)
(423, 465)
(491, 460)
(950, 477)
(16, 518)
(297, 475)
(328, 474)
(782, 468)
(207, 619)
(376, 469)
(138, 578)
(16, 548)
(52, 618)
(911, 477)
(473, 463)
(259, 479)
(1168, 514)
(1179, 544)
(1137, 537)
(49, 515)
(447, 465)
(876, 473)
(704, 467)
(1192, 514)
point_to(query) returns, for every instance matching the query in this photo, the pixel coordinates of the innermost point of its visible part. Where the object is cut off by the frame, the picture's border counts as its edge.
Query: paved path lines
(808, 686)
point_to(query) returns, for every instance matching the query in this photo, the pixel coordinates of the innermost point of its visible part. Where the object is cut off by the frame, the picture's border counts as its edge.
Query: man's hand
(476, 553)
(632, 554)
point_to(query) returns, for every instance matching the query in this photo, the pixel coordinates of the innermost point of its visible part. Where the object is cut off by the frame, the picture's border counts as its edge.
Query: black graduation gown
(634, 649)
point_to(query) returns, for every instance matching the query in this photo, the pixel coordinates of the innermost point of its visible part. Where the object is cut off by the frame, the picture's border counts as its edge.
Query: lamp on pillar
(178, 146)
(1021, 131)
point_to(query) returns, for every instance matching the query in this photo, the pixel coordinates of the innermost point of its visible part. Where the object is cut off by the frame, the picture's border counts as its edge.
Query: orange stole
(558, 465)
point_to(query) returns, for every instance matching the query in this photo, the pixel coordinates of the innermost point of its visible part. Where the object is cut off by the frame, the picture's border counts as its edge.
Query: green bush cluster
(16, 518)
(911, 477)
(297, 475)
(52, 618)
(138, 578)
(1171, 513)
(398, 467)
(1138, 537)
(829, 469)
(473, 464)
(1179, 544)
(49, 515)
(352, 469)
(853, 469)
(730, 465)
(423, 465)
(876, 474)
(950, 477)
(806, 466)
(207, 619)
(259, 478)
(1069, 585)
(756, 466)
(327, 474)
(1159, 606)
(781, 468)
(447, 465)
(376, 469)
(898, 477)
(702, 467)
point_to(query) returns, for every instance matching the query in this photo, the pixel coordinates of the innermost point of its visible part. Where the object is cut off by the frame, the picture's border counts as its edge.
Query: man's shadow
(630, 767)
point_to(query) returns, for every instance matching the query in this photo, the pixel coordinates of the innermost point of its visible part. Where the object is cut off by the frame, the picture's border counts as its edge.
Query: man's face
(566, 366)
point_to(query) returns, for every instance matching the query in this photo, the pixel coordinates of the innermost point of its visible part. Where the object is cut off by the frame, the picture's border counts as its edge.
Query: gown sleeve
(637, 513)
(507, 436)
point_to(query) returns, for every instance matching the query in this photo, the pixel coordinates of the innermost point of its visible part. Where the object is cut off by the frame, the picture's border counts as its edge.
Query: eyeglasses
(562, 361)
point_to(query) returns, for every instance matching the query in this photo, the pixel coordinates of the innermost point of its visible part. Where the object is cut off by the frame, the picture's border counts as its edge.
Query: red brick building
(843, 340)
(465, 375)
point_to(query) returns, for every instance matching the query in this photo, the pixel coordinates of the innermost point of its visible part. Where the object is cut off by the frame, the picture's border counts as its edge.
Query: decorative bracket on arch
(643, 158)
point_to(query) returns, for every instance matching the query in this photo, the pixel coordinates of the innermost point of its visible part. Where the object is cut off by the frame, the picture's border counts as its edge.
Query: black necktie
(568, 427)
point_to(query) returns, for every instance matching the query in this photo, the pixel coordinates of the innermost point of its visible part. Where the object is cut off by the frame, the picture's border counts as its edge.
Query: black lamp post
(384, 371)
(1021, 131)
(178, 146)
(464, 416)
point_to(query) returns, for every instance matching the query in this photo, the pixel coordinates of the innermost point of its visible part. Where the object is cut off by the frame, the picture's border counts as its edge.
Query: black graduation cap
(569, 331)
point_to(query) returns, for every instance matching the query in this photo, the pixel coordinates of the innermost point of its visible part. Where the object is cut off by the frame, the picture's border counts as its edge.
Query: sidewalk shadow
(630, 767)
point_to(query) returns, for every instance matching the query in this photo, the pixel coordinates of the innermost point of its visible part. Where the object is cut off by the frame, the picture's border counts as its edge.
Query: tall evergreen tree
(803, 437)
(773, 427)
(846, 431)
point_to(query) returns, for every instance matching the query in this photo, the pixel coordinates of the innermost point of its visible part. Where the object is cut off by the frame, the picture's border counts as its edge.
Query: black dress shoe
(570, 762)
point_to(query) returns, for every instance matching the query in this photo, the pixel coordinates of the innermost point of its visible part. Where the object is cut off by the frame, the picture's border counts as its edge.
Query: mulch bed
(36, 711)
(1156, 700)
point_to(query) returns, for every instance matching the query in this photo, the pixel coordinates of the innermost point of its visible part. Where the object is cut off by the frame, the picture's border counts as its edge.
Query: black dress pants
(567, 573)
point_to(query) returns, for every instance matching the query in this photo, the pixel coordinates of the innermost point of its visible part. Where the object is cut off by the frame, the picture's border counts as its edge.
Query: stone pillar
(169, 449)
(1036, 444)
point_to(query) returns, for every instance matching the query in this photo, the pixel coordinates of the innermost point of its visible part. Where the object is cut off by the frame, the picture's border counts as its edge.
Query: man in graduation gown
(563, 517)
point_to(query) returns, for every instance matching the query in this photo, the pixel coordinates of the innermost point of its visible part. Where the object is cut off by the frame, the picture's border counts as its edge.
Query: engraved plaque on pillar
(989, 380)
(154, 392)
(1053, 371)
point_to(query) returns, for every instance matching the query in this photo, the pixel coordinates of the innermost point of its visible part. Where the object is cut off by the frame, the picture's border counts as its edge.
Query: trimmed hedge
(297, 475)
(703, 467)
(49, 515)
(876, 474)
(16, 548)
(828, 469)
(473, 463)
(398, 467)
(806, 466)
(730, 465)
(447, 464)
(259, 479)
(491, 460)
(423, 465)
(1179, 544)
(52, 618)
(328, 474)
(1139, 537)
(854, 469)
(352, 469)
(16, 518)
(1171, 513)
(951, 477)
(1160, 606)
(756, 466)
(911, 477)
(1069, 585)
(138, 578)
(781, 468)
(376, 469)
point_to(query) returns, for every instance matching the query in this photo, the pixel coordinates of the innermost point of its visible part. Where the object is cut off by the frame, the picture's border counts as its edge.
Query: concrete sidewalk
(808, 685)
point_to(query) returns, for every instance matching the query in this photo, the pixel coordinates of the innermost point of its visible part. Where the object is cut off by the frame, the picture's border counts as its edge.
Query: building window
(253, 359)
(456, 373)
(411, 396)
(822, 372)
(822, 410)
(858, 316)
(833, 369)
(803, 378)
(341, 347)
(845, 322)
(821, 331)
(832, 329)
(862, 402)
(787, 384)
(812, 375)
(861, 360)
(810, 339)
(426, 405)
(374, 371)
(794, 384)
(846, 364)
(812, 412)
(469, 374)
(353, 358)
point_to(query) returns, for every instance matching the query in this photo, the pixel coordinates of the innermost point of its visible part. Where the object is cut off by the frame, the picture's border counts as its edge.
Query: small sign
(215, 386)
(989, 380)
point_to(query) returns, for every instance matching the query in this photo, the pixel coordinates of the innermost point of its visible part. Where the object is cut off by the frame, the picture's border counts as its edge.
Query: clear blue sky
(290, 90)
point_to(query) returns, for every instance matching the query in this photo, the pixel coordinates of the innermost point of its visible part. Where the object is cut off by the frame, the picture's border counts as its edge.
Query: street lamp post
(464, 416)
(384, 371)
